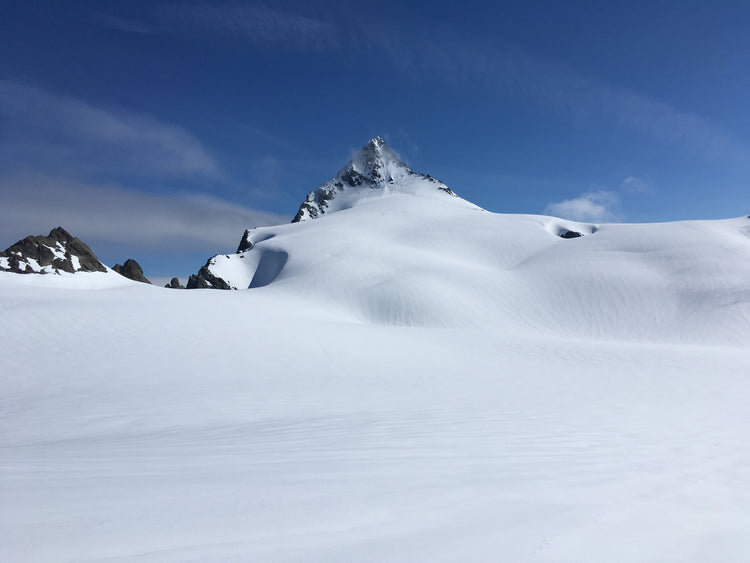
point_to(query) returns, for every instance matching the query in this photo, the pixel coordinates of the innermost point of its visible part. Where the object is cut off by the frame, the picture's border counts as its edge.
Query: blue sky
(160, 130)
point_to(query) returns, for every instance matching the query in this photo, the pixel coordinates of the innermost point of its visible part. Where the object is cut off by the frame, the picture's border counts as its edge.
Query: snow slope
(410, 378)
(402, 259)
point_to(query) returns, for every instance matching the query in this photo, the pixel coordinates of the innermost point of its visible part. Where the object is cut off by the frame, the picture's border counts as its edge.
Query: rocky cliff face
(57, 252)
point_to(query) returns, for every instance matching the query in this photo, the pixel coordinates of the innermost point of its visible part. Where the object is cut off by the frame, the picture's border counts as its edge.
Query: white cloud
(110, 214)
(54, 150)
(65, 135)
(591, 207)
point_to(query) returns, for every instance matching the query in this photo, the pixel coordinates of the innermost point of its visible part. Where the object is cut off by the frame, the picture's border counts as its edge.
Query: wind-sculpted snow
(421, 261)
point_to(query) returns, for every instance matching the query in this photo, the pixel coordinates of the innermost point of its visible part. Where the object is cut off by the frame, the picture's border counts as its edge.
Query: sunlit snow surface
(412, 381)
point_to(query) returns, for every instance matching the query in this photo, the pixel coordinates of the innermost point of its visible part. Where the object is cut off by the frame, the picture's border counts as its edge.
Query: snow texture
(409, 378)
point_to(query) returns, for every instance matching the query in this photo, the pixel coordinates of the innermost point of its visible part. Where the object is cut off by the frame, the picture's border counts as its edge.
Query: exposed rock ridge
(205, 279)
(57, 252)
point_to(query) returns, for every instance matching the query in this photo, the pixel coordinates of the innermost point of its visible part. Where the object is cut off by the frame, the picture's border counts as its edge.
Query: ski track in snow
(381, 407)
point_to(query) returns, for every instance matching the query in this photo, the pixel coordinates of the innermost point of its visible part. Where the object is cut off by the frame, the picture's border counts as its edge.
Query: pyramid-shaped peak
(374, 171)
(372, 160)
(377, 146)
(58, 233)
(375, 143)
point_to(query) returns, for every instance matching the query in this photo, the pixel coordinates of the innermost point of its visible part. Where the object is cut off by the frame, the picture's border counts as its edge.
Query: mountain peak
(374, 167)
(57, 252)
(372, 164)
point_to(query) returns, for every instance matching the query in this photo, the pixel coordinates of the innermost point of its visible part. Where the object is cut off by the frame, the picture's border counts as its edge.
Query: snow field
(408, 379)
(164, 425)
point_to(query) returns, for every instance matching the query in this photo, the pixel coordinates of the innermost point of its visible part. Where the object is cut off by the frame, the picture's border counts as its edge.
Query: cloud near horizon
(62, 160)
(592, 207)
(110, 214)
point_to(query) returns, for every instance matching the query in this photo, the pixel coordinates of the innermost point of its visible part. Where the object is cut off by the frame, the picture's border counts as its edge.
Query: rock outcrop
(245, 243)
(205, 279)
(174, 283)
(57, 252)
(131, 270)
(570, 234)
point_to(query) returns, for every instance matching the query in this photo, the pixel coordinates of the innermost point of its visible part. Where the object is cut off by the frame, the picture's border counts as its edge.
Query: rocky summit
(375, 167)
(57, 252)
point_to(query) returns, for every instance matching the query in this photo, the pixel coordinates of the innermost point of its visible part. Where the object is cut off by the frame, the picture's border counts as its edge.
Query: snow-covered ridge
(424, 257)
(417, 261)
(374, 171)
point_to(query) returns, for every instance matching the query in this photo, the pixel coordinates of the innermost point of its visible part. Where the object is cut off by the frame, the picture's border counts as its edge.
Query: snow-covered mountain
(419, 256)
(374, 171)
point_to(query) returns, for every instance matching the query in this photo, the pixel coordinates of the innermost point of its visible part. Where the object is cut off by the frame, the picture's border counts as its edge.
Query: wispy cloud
(636, 185)
(259, 24)
(654, 118)
(62, 134)
(593, 207)
(54, 152)
(461, 61)
(110, 214)
(441, 54)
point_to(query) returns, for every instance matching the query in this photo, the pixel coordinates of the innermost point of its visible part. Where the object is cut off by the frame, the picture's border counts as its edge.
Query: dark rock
(205, 279)
(47, 251)
(174, 283)
(197, 282)
(131, 270)
(570, 234)
(245, 243)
